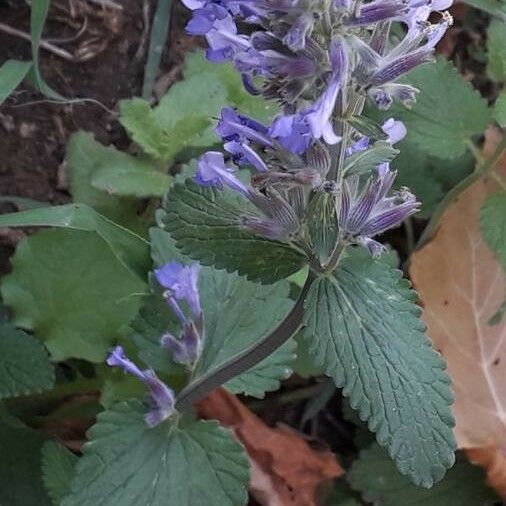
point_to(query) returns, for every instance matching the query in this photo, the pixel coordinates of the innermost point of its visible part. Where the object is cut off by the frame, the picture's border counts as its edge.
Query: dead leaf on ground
(462, 285)
(285, 470)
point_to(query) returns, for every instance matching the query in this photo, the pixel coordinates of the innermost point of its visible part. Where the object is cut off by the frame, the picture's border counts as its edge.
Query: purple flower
(161, 396)
(233, 126)
(212, 171)
(181, 282)
(292, 132)
(243, 154)
(371, 212)
(185, 350)
(396, 130)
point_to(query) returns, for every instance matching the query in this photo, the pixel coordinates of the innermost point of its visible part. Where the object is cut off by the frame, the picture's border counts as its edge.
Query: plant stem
(483, 167)
(249, 357)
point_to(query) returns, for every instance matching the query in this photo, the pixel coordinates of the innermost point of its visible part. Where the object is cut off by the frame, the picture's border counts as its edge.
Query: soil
(34, 130)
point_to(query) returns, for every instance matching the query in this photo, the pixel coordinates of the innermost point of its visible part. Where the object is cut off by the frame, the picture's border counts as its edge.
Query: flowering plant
(310, 130)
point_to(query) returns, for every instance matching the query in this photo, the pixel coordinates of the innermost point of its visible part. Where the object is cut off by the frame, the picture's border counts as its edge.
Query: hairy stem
(249, 357)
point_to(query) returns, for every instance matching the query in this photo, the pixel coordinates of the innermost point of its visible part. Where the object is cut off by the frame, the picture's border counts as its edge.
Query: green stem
(249, 357)
(483, 167)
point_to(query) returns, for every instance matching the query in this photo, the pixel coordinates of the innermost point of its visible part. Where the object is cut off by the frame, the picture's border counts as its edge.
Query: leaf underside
(363, 326)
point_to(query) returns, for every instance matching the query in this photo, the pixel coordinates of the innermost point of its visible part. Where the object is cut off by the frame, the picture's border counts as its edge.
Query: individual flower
(161, 397)
(366, 213)
(181, 283)
(212, 171)
(185, 350)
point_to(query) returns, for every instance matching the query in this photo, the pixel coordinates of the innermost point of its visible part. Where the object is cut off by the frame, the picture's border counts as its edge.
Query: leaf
(495, 8)
(428, 177)
(363, 326)
(366, 161)
(341, 496)
(448, 112)
(205, 224)
(462, 286)
(84, 155)
(57, 469)
(185, 463)
(493, 224)
(496, 48)
(184, 119)
(368, 127)
(24, 364)
(130, 177)
(20, 475)
(69, 289)
(375, 476)
(284, 467)
(237, 313)
(129, 249)
(500, 109)
(12, 72)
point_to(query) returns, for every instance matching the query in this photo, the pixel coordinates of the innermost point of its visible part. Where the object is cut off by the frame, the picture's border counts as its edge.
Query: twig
(43, 43)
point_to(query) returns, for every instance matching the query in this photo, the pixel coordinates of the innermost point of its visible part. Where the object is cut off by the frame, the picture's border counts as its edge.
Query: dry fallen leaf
(285, 470)
(462, 286)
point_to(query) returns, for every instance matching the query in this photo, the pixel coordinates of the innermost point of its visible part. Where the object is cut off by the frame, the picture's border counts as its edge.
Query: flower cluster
(180, 284)
(320, 60)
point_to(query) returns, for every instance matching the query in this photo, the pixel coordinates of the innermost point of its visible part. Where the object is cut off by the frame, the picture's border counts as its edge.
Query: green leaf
(363, 325)
(496, 47)
(57, 470)
(12, 72)
(237, 313)
(493, 224)
(183, 464)
(428, 177)
(322, 225)
(134, 177)
(495, 8)
(84, 155)
(375, 476)
(500, 108)
(20, 474)
(366, 161)
(129, 249)
(24, 364)
(68, 287)
(448, 111)
(342, 496)
(205, 223)
(184, 121)
(368, 127)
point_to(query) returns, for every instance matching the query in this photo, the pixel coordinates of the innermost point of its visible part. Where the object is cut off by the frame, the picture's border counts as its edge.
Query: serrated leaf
(496, 48)
(68, 287)
(84, 155)
(366, 161)
(375, 476)
(24, 363)
(184, 119)
(129, 249)
(237, 313)
(12, 72)
(20, 473)
(57, 470)
(363, 325)
(493, 224)
(185, 463)
(447, 113)
(205, 224)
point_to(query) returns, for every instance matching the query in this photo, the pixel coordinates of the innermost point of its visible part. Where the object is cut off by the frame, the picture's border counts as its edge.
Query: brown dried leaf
(494, 461)
(285, 470)
(462, 286)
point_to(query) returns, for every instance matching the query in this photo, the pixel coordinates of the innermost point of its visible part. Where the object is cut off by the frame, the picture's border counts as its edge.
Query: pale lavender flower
(293, 132)
(181, 281)
(212, 171)
(185, 350)
(161, 396)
